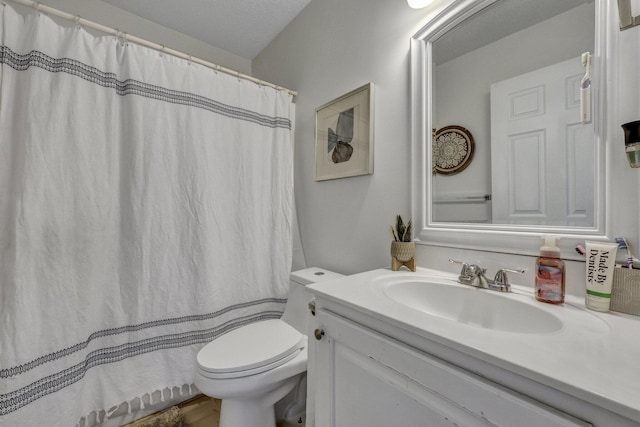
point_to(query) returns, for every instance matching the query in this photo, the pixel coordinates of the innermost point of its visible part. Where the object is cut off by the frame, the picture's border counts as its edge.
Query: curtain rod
(155, 46)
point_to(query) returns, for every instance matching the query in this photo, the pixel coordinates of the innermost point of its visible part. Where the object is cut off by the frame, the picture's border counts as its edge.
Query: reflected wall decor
(452, 150)
(344, 135)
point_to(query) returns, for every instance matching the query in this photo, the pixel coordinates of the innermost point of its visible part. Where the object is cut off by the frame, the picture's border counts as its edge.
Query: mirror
(510, 75)
(499, 139)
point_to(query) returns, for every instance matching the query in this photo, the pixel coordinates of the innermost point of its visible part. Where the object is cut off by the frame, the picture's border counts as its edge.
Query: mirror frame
(504, 238)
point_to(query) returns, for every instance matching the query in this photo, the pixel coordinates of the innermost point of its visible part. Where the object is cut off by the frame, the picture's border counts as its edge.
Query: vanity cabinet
(365, 378)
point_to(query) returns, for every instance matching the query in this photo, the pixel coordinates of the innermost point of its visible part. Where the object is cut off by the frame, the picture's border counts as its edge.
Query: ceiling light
(419, 4)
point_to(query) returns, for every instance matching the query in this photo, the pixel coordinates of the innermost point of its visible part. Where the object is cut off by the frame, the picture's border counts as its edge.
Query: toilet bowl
(253, 367)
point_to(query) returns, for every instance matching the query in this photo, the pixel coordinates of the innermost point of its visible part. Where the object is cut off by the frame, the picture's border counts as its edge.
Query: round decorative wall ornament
(453, 148)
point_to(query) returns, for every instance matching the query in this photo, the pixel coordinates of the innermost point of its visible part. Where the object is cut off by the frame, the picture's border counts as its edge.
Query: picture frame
(344, 135)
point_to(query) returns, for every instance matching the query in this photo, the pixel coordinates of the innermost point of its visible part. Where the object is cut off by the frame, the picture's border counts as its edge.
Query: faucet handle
(453, 261)
(501, 276)
(471, 274)
(469, 269)
(466, 270)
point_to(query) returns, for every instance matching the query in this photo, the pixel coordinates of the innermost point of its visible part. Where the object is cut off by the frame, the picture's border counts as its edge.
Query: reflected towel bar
(463, 199)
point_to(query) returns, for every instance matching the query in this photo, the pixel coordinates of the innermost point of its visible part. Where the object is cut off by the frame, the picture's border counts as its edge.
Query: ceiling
(503, 18)
(242, 27)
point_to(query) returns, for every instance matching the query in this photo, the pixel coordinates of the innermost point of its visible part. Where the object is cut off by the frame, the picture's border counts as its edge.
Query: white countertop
(594, 357)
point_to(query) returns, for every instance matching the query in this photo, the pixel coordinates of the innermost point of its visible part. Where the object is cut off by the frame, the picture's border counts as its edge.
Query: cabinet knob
(319, 333)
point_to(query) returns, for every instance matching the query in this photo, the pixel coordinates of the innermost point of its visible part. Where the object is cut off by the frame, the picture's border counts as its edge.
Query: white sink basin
(471, 306)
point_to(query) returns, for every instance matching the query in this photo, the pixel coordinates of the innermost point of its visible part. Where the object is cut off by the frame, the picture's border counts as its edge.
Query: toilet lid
(266, 344)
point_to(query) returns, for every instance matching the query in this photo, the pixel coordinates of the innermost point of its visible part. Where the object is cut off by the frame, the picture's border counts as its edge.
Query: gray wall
(332, 47)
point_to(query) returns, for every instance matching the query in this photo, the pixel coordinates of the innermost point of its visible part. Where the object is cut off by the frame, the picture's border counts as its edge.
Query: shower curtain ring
(238, 75)
(37, 6)
(120, 37)
(77, 21)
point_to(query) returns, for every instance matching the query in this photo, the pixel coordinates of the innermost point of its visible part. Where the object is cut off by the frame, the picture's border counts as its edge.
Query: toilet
(253, 367)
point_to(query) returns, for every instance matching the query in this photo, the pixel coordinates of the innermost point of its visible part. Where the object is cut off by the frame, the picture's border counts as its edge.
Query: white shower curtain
(145, 208)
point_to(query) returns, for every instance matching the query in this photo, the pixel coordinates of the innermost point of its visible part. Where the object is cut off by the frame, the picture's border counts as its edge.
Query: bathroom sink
(471, 306)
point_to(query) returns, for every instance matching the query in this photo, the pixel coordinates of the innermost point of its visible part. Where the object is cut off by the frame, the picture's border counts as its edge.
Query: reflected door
(542, 156)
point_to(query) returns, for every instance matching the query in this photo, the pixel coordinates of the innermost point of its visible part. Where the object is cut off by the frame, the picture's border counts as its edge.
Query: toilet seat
(250, 350)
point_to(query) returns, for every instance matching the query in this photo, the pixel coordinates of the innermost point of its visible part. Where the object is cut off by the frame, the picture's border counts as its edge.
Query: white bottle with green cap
(601, 258)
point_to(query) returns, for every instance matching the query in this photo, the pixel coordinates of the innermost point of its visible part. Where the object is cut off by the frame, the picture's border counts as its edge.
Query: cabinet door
(366, 379)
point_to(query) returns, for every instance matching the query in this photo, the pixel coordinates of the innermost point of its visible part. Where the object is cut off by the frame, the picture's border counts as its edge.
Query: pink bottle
(550, 273)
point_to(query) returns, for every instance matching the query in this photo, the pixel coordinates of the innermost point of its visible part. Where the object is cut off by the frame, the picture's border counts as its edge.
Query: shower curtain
(145, 209)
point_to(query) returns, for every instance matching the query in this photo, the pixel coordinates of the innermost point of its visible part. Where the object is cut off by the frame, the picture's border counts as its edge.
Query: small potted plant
(403, 250)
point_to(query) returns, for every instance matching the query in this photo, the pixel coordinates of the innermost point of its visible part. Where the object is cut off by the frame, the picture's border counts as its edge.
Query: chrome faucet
(474, 275)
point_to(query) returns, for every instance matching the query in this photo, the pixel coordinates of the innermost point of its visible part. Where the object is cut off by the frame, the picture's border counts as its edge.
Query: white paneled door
(542, 156)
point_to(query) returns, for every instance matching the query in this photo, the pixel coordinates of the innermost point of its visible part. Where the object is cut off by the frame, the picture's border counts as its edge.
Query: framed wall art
(344, 135)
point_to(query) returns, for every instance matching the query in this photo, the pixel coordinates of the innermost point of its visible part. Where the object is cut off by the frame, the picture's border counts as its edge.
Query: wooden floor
(201, 411)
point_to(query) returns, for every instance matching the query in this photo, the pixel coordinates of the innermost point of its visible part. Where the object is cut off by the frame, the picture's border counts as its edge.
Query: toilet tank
(296, 311)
